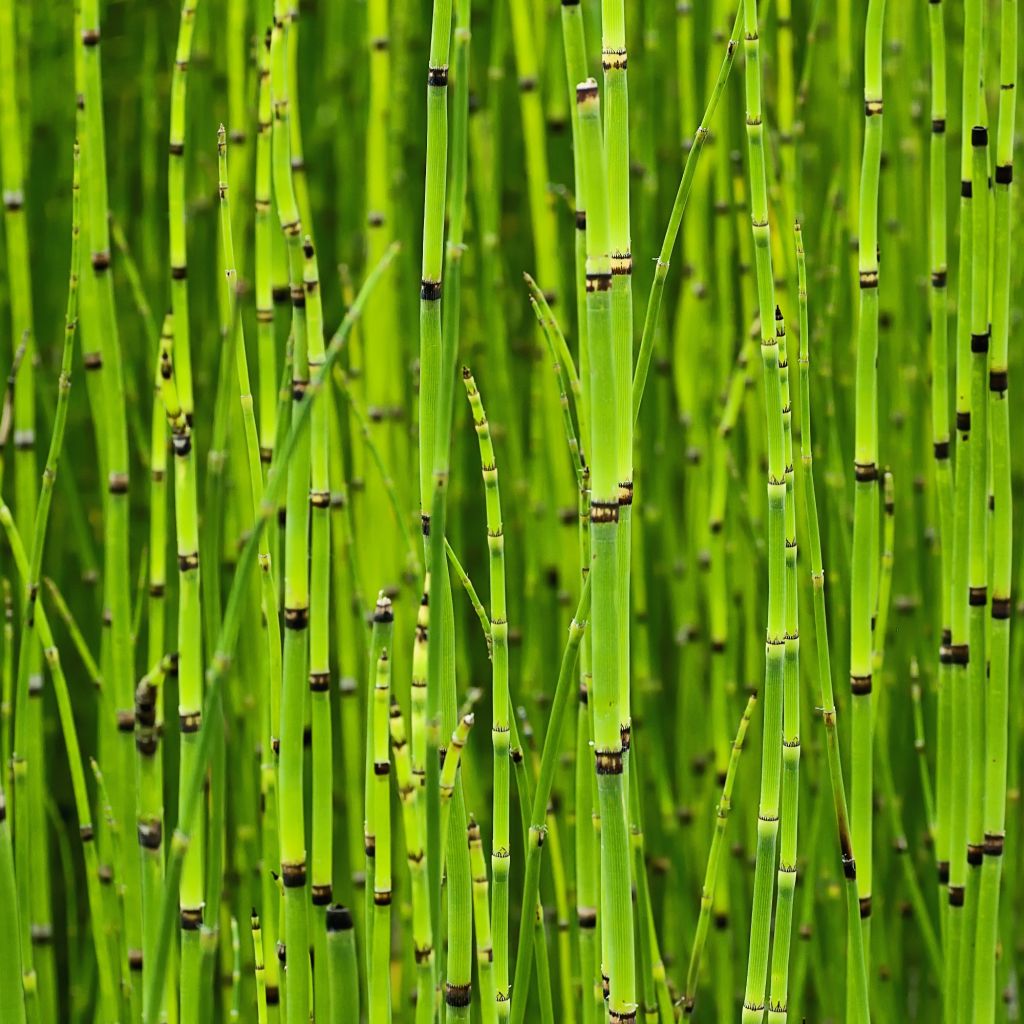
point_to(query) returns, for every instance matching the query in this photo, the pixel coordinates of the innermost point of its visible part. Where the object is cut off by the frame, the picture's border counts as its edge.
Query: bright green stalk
(321, 889)
(857, 975)
(539, 802)
(259, 969)
(865, 509)
(616, 140)
(264, 243)
(431, 382)
(959, 573)
(341, 952)
(500, 841)
(410, 794)
(12, 1000)
(778, 997)
(383, 367)
(996, 696)
(707, 893)
(296, 567)
(190, 698)
(616, 903)
(224, 647)
(113, 428)
(768, 808)
(482, 925)
(940, 413)
(380, 977)
(12, 172)
(270, 619)
(977, 553)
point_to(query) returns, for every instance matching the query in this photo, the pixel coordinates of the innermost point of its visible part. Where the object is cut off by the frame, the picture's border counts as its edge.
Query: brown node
(604, 511)
(296, 618)
(865, 907)
(191, 918)
(189, 721)
(319, 682)
(956, 895)
(320, 895)
(151, 834)
(608, 762)
(977, 596)
(994, 843)
(599, 282)
(998, 381)
(430, 291)
(293, 875)
(382, 899)
(975, 853)
(457, 995)
(868, 278)
(188, 561)
(125, 721)
(437, 78)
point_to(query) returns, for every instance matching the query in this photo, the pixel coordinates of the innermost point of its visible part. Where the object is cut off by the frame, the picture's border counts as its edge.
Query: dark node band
(1004, 174)
(941, 449)
(188, 562)
(717, 646)
(872, 108)
(994, 843)
(959, 654)
(938, 278)
(865, 907)
(979, 135)
(85, 832)
(998, 381)
(381, 767)
(977, 596)
(586, 917)
(135, 959)
(625, 737)
(868, 278)
(604, 512)
(151, 834)
(865, 472)
(382, 899)
(177, 148)
(586, 91)
(100, 261)
(963, 421)
(117, 483)
(608, 762)
(860, 686)
(625, 492)
(293, 876)
(975, 853)
(945, 654)
(13, 201)
(379, 43)
(273, 995)
(375, 219)
(613, 60)
(179, 273)
(320, 499)
(125, 721)
(319, 682)
(191, 918)
(280, 293)
(943, 871)
(599, 282)
(528, 84)
(430, 291)
(296, 618)
(189, 721)
(320, 895)
(938, 125)
(622, 263)
(581, 215)
(90, 37)
(457, 995)
(92, 360)
(339, 918)
(979, 343)
(1000, 607)
(966, 190)
(437, 78)
(621, 1016)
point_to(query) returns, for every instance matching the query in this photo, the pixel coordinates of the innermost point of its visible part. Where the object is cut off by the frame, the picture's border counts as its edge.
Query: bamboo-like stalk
(866, 497)
(962, 525)
(410, 793)
(940, 414)
(12, 1000)
(978, 550)
(380, 958)
(482, 924)
(616, 905)
(768, 808)
(500, 841)
(857, 985)
(996, 695)
(341, 949)
(778, 1000)
(112, 425)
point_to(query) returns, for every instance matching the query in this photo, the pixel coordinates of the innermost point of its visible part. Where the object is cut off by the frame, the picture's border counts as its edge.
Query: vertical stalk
(768, 807)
